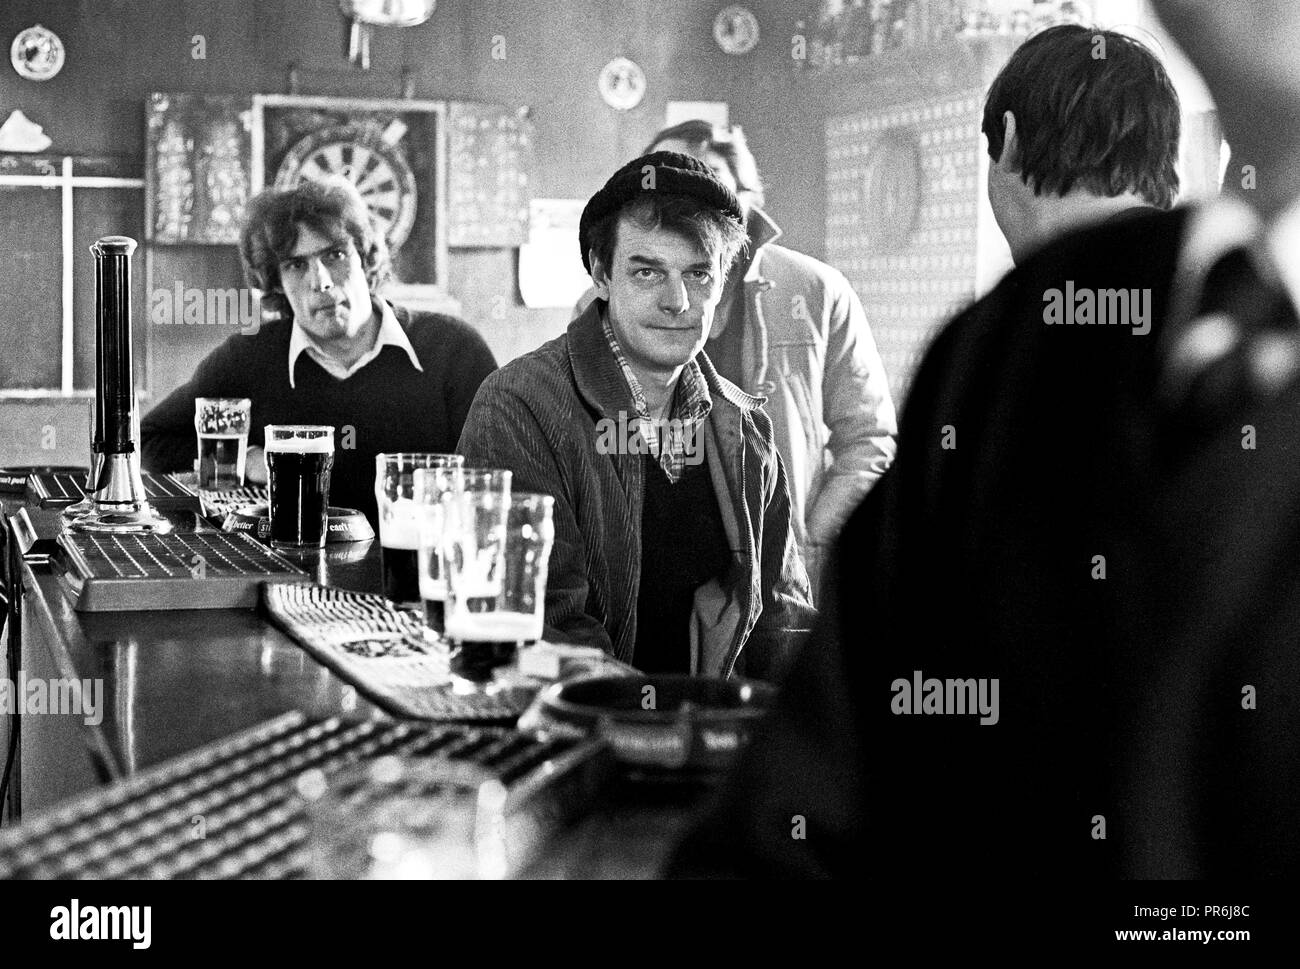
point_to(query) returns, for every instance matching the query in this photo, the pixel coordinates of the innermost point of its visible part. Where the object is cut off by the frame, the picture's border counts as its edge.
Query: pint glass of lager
(399, 520)
(221, 424)
(299, 458)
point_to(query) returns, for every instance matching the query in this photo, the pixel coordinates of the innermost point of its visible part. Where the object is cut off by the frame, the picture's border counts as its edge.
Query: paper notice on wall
(714, 112)
(550, 267)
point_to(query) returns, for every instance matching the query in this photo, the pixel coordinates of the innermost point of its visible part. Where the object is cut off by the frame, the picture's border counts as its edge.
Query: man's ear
(1009, 160)
(599, 275)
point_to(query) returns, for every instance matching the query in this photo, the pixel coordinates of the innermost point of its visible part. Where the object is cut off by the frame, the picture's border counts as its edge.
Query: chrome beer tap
(115, 498)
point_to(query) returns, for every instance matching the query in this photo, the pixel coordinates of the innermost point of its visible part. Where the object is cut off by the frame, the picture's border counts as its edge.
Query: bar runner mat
(383, 652)
(245, 792)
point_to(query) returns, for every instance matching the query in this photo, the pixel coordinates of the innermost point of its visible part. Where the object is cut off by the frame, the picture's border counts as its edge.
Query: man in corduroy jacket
(790, 328)
(674, 549)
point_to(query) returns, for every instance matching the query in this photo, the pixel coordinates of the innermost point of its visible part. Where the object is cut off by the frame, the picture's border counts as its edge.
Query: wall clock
(735, 28)
(621, 84)
(37, 53)
(371, 160)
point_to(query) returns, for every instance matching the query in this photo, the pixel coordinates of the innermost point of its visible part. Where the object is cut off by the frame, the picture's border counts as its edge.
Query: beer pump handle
(115, 500)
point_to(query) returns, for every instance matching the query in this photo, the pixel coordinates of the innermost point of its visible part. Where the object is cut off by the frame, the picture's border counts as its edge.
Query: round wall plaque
(735, 28)
(621, 84)
(891, 187)
(37, 53)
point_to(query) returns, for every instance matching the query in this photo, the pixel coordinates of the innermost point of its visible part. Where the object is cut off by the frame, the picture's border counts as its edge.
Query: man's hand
(255, 467)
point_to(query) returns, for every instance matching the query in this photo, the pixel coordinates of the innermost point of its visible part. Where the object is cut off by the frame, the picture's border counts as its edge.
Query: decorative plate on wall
(621, 84)
(735, 28)
(370, 160)
(37, 53)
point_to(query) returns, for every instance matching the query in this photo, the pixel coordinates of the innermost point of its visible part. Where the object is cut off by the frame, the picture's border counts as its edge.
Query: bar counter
(175, 680)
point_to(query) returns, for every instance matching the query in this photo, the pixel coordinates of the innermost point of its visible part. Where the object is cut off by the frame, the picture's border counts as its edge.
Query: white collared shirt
(390, 334)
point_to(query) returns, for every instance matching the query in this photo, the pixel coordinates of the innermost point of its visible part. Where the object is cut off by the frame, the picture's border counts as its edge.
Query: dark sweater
(683, 546)
(1123, 698)
(387, 405)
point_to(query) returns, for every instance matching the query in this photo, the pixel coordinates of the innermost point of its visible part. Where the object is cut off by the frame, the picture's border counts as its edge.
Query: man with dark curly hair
(388, 379)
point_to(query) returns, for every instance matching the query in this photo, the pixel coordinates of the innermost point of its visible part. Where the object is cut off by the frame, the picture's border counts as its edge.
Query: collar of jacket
(754, 340)
(762, 230)
(600, 381)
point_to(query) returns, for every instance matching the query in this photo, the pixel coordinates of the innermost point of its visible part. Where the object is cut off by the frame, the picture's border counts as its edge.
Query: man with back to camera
(400, 380)
(790, 328)
(1102, 520)
(1082, 126)
(673, 549)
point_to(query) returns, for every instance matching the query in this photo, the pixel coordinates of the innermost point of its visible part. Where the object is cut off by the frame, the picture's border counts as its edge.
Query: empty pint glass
(221, 424)
(530, 533)
(299, 458)
(399, 520)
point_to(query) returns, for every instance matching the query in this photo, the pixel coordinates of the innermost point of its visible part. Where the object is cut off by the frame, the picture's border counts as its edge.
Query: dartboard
(375, 167)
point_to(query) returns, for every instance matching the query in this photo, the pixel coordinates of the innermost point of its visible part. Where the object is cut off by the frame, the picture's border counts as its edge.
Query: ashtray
(345, 524)
(657, 725)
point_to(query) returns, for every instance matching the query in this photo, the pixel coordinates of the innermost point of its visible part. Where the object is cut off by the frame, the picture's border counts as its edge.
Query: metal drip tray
(53, 490)
(209, 570)
(234, 809)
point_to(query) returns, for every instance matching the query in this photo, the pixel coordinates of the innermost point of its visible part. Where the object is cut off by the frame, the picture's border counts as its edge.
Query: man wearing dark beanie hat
(791, 329)
(673, 543)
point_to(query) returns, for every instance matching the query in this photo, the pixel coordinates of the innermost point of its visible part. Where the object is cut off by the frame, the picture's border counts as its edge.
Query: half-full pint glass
(399, 520)
(299, 458)
(221, 424)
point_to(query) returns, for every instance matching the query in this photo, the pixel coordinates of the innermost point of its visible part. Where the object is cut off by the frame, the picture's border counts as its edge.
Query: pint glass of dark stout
(299, 458)
(399, 520)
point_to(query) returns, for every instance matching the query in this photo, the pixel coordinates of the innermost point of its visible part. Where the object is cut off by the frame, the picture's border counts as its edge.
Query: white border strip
(67, 275)
(78, 181)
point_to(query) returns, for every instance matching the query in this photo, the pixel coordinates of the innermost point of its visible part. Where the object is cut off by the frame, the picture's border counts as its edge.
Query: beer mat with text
(218, 504)
(383, 652)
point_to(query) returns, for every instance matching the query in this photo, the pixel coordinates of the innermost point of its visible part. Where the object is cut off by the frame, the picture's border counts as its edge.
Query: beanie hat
(671, 173)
